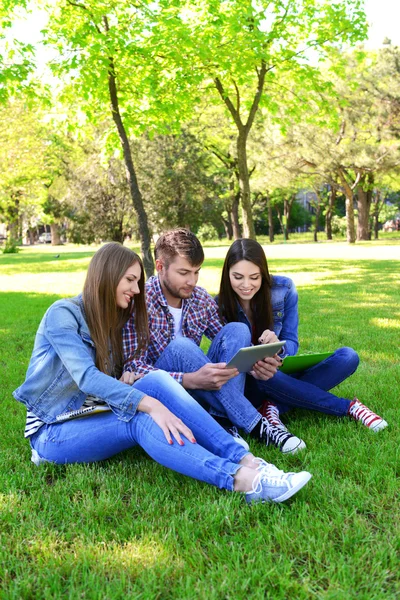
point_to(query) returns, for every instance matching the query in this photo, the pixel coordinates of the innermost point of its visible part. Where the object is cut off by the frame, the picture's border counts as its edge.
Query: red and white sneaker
(271, 412)
(360, 412)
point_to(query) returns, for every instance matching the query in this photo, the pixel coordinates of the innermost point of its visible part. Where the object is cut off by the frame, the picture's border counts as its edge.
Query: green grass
(127, 528)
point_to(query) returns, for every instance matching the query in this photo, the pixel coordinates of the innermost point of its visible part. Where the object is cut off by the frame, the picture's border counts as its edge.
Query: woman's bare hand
(170, 424)
(266, 368)
(130, 378)
(268, 337)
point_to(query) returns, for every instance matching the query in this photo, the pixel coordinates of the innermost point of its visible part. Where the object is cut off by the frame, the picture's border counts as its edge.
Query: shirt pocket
(279, 314)
(195, 329)
(159, 338)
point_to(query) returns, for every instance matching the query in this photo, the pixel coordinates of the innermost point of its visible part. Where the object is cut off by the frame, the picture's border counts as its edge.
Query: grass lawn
(128, 528)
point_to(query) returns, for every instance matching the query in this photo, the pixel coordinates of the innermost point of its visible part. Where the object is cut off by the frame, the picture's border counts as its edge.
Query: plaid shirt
(199, 317)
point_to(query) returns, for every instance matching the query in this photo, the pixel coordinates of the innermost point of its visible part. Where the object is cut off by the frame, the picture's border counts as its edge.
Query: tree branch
(228, 103)
(257, 97)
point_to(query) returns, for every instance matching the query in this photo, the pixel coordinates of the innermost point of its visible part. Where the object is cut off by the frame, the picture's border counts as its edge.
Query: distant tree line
(214, 116)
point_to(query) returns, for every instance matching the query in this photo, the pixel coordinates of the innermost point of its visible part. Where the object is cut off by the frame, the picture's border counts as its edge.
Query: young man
(180, 313)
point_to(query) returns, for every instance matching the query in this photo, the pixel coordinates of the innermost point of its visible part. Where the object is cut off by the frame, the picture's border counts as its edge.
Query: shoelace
(264, 465)
(275, 434)
(234, 432)
(271, 479)
(271, 413)
(362, 413)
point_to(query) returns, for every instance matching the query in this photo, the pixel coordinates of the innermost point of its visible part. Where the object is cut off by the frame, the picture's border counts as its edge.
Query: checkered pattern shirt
(199, 317)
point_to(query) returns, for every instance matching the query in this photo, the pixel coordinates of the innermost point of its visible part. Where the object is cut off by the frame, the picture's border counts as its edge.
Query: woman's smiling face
(246, 279)
(128, 286)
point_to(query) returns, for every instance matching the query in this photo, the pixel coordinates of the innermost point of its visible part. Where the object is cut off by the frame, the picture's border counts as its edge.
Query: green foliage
(207, 232)
(339, 225)
(176, 178)
(10, 247)
(97, 199)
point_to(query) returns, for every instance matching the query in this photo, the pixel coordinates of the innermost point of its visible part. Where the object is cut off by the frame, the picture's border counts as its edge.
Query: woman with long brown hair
(80, 409)
(269, 306)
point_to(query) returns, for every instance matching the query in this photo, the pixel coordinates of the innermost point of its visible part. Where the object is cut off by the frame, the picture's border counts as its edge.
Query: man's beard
(174, 292)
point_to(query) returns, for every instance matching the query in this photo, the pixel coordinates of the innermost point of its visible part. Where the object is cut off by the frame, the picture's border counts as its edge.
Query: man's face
(179, 279)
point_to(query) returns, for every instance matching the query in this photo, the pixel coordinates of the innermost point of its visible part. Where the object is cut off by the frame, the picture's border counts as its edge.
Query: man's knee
(183, 344)
(238, 330)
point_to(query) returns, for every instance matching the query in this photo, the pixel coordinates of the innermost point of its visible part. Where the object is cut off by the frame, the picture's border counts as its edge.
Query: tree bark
(364, 197)
(137, 200)
(377, 204)
(351, 233)
(329, 212)
(316, 224)
(235, 216)
(228, 226)
(270, 221)
(244, 183)
(13, 218)
(55, 234)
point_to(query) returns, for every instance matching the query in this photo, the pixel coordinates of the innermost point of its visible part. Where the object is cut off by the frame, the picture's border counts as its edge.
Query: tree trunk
(235, 217)
(376, 203)
(137, 200)
(363, 207)
(351, 232)
(329, 212)
(363, 214)
(376, 226)
(316, 224)
(364, 197)
(55, 234)
(270, 221)
(244, 183)
(287, 209)
(228, 226)
(13, 218)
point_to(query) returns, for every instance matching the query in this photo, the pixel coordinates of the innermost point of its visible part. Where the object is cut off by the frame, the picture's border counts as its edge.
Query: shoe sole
(295, 488)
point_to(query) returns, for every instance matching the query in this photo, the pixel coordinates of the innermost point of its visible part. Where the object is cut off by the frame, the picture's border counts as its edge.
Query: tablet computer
(300, 362)
(245, 358)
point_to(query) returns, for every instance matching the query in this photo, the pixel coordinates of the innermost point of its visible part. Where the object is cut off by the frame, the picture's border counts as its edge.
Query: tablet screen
(245, 358)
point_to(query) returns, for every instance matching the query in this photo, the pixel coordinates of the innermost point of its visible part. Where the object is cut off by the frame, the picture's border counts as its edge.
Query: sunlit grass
(127, 528)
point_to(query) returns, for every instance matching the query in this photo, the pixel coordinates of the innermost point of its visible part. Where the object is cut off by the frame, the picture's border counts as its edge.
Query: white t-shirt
(177, 314)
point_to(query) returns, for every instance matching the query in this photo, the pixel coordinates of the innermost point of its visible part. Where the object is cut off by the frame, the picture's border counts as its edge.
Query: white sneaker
(272, 485)
(237, 437)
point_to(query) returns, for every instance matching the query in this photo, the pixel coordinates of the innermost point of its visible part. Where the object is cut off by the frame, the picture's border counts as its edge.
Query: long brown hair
(261, 305)
(104, 317)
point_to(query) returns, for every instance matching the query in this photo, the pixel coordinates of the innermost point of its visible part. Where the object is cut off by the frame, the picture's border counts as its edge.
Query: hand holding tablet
(245, 358)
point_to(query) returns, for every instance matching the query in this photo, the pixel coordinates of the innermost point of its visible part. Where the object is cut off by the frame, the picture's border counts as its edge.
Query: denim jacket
(286, 318)
(62, 370)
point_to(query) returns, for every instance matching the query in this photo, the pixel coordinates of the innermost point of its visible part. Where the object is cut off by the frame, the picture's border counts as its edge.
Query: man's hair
(179, 242)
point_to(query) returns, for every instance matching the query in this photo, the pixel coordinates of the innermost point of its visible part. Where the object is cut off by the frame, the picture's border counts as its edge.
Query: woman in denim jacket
(79, 411)
(269, 306)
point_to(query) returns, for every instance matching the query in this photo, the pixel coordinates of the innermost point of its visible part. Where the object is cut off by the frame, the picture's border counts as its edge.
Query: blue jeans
(183, 355)
(213, 459)
(309, 388)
